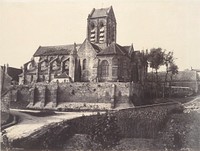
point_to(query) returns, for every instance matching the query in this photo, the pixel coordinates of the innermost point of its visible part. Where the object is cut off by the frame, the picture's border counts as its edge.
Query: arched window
(44, 65)
(104, 68)
(84, 64)
(65, 66)
(54, 65)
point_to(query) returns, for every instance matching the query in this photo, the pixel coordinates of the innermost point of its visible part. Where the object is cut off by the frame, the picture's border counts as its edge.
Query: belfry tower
(101, 27)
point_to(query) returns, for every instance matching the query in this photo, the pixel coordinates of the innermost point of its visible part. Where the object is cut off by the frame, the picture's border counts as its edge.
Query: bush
(181, 131)
(105, 131)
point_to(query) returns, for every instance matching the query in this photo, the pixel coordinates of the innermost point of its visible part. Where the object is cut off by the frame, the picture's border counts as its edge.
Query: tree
(173, 69)
(168, 59)
(156, 59)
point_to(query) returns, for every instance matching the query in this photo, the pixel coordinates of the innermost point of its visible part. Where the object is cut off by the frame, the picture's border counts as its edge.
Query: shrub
(105, 131)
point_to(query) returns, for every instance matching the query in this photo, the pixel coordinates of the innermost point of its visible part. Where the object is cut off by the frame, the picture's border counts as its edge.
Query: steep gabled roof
(113, 49)
(54, 50)
(102, 12)
(87, 43)
(129, 49)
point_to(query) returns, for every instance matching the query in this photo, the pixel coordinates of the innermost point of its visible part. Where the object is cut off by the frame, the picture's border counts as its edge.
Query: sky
(173, 25)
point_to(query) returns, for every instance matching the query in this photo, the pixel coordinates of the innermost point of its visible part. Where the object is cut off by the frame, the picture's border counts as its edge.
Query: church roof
(102, 12)
(113, 49)
(55, 50)
(87, 43)
(99, 12)
(127, 48)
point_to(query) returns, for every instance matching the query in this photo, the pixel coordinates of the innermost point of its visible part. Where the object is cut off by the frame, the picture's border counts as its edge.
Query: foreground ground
(181, 132)
(28, 124)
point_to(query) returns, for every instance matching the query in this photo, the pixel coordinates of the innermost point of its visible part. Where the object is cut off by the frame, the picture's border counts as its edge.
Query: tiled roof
(54, 50)
(113, 49)
(100, 12)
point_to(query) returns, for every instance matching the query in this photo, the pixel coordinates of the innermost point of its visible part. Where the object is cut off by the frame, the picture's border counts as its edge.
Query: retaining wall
(138, 122)
(79, 95)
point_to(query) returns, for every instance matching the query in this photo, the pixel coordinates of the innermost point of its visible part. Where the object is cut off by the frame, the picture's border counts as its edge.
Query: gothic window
(66, 66)
(92, 25)
(104, 68)
(55, 65)
(101, 25)
(114, 67)
(84, 64)
(43, 65)
(92, 32)
(101, 32)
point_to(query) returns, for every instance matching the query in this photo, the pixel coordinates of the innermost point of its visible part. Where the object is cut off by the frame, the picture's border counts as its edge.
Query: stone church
(98, 59)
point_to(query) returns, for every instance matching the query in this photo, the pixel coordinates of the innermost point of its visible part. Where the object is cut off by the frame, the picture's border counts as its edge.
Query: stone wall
(138, 122)
(145, 121)
(85, 92)
(63, 95)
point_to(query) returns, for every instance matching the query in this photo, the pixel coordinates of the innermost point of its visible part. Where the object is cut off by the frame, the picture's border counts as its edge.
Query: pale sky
(173, 25)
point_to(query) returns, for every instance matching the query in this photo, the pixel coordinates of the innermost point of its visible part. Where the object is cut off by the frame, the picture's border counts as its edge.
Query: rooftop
(55, 50)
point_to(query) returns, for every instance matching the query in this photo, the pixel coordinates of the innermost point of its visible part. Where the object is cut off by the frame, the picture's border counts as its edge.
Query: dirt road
(193, 105)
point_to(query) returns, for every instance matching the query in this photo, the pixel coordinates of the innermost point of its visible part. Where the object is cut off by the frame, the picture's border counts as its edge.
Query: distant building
(13, 73)
(182, 79)
(98, 59)
(5, 84)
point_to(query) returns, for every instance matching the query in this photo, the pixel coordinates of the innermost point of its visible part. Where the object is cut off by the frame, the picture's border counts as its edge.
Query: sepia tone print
(99, 93)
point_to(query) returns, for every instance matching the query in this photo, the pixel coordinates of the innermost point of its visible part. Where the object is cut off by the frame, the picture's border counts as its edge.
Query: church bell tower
(101, 27)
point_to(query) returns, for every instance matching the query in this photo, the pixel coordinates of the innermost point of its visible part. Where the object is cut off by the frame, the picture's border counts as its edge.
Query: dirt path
(193, 105)
(29, 124)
